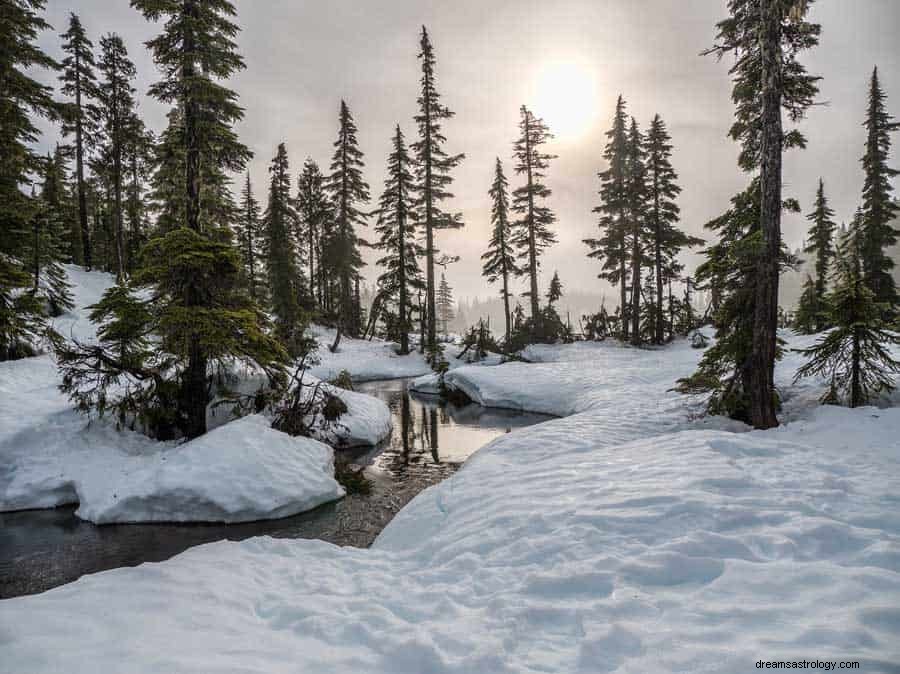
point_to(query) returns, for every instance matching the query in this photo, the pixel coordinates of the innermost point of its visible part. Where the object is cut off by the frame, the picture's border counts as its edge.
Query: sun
(564, 94)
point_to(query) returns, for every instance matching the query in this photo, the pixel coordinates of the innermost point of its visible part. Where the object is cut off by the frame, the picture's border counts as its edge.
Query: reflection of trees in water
(416, 440)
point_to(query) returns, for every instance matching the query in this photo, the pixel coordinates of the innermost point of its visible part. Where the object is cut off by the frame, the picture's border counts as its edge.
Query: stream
(41, 549)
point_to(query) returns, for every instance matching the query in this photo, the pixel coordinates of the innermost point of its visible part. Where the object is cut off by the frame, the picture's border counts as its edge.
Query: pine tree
(819, 244)
(555, 292)
(765, 37)
(397, 228)
(115, 97)
(80, 85)
(203, 314)
(855, 355)
(58, 196)
(532, 233)
(250, 239)
(348, 192)
(432, 175)
(811, 309)
(444, 304)
(138, 156)
(285, 282)
(636, 191)
(315, 213)
(22, 99)
(667, 240)
(500, 258)
(45, 250)
(878, 208)
(610, 248)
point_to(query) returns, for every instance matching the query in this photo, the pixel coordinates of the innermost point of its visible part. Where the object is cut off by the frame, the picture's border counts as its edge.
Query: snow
(624, 537)
(242, 470)
(365, 360)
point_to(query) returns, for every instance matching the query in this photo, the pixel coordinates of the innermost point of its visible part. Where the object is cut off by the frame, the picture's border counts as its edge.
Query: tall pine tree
(82, 120)
(500, 259)
(878, 208)
(348, 193)
(636, 190)
(820, 245)
(433, 175)
(314, 211)
(532, 233)
(397, 228)
(250, 240)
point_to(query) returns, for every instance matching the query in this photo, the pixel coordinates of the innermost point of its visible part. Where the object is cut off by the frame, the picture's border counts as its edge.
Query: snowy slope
(620, 538)
(50, 455)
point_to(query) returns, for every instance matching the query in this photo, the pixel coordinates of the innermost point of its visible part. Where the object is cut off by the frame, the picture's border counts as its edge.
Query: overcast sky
(567, 59)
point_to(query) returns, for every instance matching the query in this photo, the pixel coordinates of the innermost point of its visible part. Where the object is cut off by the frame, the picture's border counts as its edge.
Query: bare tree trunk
(79, 169)
(765, 320)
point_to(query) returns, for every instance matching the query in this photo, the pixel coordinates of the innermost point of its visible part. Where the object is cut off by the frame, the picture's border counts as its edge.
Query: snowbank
(617, 539)
(365, 360)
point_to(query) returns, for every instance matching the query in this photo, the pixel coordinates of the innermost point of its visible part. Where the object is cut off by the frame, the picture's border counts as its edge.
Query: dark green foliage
(878, 208)
(315, 221)
(397, 229)
(812, 311)
(433, 176)
(82, 117)
(445, 311)
(723, 371)
(854, 356)
(532, 233)
(250, 241)
(610, 249)
(820, 245)
(555, 291)
(45, 248)
(597, 327)
(636, 231)
(478, 343)
(500, 258)
(348, 192)
(286, 284)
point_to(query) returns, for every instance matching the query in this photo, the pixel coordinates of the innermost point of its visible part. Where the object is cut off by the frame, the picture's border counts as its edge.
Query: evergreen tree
(285, 282)
(82, 120)
(879, 209)
(314, 211)
(638, 240)
(59, 199)
(819, 244)
(765, 37)
(22, 99)
(115, 97)
(532, 233)
(348, 192)
(196, 274)
(667, 240)
(555, 292)
(433, 166)
(610, 248)
(396, 226)
(444, 304)
(138, 156)
(855, 355)
(45, 249)
(250, 240)
(811, 309)
(500, 258)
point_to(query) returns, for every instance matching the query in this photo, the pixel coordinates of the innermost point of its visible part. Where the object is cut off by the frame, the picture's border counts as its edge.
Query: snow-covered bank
(242, 470)
(616, 539)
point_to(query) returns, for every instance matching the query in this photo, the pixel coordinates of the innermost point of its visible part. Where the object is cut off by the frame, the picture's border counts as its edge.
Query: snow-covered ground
(242, 470)
(624, 537)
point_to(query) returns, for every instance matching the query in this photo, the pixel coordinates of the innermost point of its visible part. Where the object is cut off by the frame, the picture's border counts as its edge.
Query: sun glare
(565, 96)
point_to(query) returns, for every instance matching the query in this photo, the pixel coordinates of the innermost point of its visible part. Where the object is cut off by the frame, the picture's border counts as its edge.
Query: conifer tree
(667, 240)
(500, 259)
(638, 239)
(820, 245)
(285, 284)
(878, 208)
(532, 229)
(433, 175)
(555, 291)
(58, 196)
(115, 97)
(46, 247)
(348, 193)
(203, 314)
(314, 211)
(765, 37)
(445, 304)
(22, 99)
(855, 356)
(610, 249)
(250, 239)
(82, 120)
(811, 309)
(397, 228)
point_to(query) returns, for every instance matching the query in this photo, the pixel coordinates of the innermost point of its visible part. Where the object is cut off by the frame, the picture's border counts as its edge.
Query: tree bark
(765, 324)
(79, 169)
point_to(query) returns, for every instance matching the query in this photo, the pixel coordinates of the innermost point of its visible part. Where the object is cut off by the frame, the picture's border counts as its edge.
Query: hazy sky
(566, 59)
